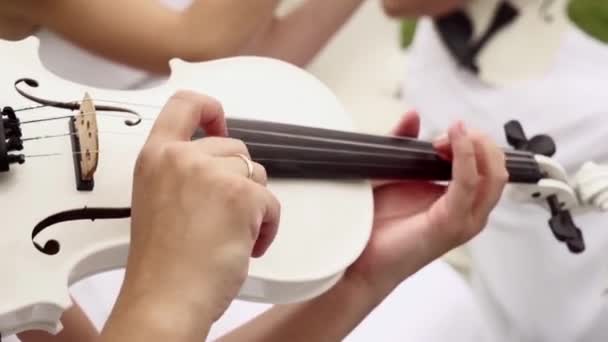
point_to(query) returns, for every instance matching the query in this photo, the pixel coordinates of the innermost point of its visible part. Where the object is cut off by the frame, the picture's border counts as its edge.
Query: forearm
(417, 8)
(146, 34)
(327, 318)
(299, 36)
(137, 319)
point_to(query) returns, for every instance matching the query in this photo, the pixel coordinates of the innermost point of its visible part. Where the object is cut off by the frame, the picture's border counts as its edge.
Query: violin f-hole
(74, 105)
(53, 247)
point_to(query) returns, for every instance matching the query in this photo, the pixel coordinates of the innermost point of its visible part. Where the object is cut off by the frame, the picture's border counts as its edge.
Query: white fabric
(529, 41)
(530, 287)
(591, 183)
(434, 303)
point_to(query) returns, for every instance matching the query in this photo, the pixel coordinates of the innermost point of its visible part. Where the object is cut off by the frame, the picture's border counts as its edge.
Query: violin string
(507, 151)
(30, 108)
(58, 154)
(23, 109)
(128, 103)
(303, 148)
(526, 165)
(47, 119)
(419, 149)
(308, 161)
(54, 118)
(259, 132)
(426, 149)
(47, 137)
(358, 163)
(514, 169)
(349, 144)
(396, 157)
(70, 134)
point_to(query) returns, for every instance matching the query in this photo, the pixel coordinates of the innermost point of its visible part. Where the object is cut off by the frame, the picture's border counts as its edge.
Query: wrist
(382, 281)
(357, 285)
(145, 317)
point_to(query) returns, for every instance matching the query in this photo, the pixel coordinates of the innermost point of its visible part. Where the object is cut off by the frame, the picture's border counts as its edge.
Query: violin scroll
(554, 188)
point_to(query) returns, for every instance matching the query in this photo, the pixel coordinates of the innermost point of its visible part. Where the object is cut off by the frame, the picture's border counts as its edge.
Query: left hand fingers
(478, 179)
(465, 175)
(409, 127)
(493, 175)
(184, 112)
(491, 169)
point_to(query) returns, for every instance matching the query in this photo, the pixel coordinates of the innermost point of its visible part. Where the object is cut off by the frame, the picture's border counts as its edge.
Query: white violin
(67, 153)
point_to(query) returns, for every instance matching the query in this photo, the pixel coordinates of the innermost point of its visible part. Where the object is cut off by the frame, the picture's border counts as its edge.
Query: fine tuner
(67, 155)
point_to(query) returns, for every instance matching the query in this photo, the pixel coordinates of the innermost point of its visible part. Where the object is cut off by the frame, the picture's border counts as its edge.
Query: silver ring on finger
(249, 164)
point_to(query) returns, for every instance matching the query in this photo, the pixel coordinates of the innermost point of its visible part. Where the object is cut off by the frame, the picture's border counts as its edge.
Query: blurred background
(364, 65)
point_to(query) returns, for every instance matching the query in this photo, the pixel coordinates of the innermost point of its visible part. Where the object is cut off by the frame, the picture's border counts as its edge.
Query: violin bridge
(85, 144)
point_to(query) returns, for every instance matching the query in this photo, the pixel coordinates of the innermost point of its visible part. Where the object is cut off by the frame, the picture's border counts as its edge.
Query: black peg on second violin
(563, 226)
(516, 137)
(12, 127)
(561, 223)
(16, 158)
(9, 112)
(577, 245)
(14, 144)
(541, 144)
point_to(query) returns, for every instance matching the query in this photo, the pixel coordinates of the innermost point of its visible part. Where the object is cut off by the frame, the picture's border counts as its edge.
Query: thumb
(408, 126)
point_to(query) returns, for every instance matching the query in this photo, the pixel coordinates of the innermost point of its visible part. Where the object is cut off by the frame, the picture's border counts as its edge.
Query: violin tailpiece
(10, 139)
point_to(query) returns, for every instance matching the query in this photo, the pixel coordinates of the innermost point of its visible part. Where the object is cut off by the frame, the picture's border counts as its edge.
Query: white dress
(529, 286)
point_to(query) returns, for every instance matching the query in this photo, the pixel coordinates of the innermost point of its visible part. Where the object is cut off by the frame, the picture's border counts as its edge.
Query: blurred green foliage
(591, 16)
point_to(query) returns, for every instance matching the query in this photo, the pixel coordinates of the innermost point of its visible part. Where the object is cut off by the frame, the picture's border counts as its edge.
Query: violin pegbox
(553, 191)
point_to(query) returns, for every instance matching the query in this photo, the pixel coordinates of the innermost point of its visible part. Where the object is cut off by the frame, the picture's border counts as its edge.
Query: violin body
(325, 224)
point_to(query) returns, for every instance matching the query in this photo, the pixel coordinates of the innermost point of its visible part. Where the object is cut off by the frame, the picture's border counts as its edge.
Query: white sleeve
(591, 184)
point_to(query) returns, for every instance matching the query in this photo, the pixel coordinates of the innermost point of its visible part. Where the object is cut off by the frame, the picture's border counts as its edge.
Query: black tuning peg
(543, 145)
(9, 113)
(14, 144)
(515, 135)
(563, 227)
(539, 144)
(16, 159)
(561, 223)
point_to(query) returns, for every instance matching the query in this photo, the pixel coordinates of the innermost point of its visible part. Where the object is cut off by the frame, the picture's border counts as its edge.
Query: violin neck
(291, 151)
